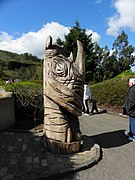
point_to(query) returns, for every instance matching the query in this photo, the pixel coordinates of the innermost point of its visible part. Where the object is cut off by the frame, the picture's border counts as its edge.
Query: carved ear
(48, 42)
(71, 57)
(80, 58)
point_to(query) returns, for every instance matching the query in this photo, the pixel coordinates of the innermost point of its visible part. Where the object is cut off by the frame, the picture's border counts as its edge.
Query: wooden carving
(63, 94)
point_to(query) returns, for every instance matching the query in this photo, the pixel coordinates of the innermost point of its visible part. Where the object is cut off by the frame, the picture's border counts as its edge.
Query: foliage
(120, 59)
(23, 67)
(123, 52)
(107, 73)
(122, 47)
(100, 64)
(112, 92)
(29, 95)
(26, 57)
(70, 45)
(29, 99)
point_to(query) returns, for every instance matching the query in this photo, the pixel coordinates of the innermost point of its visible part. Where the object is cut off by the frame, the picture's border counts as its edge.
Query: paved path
(23, 156)
(118, 160)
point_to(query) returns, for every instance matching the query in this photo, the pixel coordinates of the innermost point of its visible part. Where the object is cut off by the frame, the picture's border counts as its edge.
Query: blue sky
(25, 24)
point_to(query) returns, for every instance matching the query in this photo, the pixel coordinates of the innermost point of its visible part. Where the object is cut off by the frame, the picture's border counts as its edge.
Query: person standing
(94, 105)
(129, 109)
(86, 98)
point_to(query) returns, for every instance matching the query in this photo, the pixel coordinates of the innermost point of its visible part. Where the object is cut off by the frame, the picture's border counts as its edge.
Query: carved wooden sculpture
(63, 94)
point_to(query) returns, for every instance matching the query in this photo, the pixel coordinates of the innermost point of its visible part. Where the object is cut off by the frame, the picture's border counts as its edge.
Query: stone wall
(7, 110)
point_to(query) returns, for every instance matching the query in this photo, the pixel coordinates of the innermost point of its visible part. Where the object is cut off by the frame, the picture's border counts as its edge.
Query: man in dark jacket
(129, 109)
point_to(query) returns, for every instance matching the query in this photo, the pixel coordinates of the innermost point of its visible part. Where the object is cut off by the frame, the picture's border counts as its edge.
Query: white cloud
(124, 17)
(5, 37)
(95, 36)
(34, 42)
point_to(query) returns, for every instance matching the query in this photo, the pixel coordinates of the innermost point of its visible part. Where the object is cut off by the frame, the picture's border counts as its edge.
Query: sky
(26, 24)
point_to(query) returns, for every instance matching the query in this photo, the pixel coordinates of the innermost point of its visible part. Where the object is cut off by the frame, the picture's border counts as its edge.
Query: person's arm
(131, 101)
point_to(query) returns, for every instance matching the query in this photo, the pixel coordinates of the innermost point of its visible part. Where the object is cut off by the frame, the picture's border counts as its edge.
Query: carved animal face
(64, 78)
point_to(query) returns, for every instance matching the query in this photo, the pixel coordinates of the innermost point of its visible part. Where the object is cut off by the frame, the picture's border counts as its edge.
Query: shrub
(111, 92)
(29, 100)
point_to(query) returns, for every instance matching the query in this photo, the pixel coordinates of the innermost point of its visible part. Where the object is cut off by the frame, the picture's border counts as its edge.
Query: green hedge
(29, 99)
(112, 92)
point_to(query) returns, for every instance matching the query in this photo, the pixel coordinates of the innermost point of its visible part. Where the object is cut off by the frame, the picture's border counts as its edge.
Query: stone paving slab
(23, 156)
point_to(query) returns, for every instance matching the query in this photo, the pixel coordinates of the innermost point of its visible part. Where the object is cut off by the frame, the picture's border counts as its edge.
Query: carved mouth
(68, 97)
(78, 90)
(77, 87)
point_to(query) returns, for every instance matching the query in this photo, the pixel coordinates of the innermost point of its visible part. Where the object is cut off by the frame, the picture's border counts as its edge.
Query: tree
(100, 64)
(77, 33)
(123, 51)
(110, 68)
(119, 60)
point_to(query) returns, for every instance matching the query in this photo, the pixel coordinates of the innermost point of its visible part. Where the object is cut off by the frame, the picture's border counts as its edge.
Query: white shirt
(87, 93)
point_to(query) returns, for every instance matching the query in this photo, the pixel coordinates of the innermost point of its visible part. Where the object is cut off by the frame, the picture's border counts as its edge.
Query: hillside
(22, 67)
(6, 55)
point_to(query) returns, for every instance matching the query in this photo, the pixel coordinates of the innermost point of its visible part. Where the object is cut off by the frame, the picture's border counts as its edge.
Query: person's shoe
(127, 133)
(132, 139)
(86, 114)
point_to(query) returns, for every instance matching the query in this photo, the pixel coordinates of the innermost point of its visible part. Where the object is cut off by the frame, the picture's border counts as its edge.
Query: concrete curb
(25, 157)
(63, 164)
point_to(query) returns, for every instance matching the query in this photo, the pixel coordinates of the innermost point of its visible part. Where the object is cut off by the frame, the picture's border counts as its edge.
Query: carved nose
(80, 58)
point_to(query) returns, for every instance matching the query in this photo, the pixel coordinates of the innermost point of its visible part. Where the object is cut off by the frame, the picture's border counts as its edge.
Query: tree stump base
(58, 147)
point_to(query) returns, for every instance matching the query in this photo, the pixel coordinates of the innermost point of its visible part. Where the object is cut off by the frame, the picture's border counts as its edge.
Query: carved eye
(60, 68)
